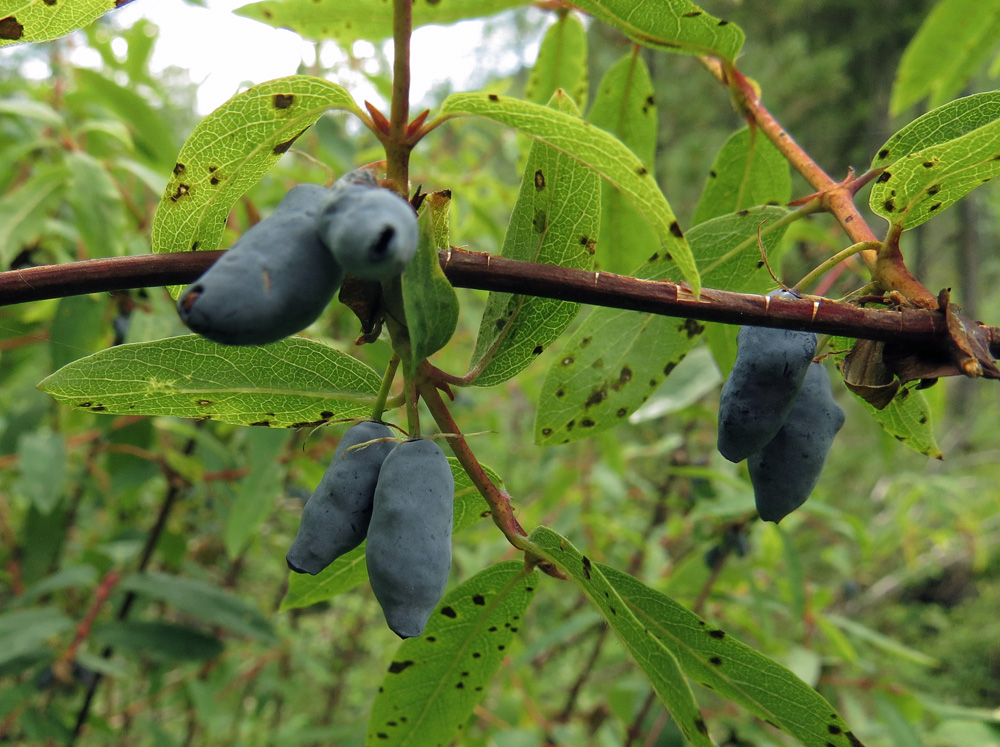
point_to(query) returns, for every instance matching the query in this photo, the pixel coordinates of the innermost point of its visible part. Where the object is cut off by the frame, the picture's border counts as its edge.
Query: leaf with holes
(561, 63)
(625, 107)
(648, 651)
(349, 570)
(230, 150)
(596, 149)
(731, 668)
(429, 301)
(952, 43)
(362, 19)
(43, 20)
(294, 383)
(673, 25)
(554, 221)
(436, 680)
(616, 359)
(748, 170)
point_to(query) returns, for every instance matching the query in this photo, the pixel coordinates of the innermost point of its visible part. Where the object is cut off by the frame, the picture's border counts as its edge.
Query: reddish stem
(498, 500)
(837, 198)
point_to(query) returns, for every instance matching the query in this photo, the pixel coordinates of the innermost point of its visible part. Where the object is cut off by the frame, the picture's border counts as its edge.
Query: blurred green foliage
(881, 592)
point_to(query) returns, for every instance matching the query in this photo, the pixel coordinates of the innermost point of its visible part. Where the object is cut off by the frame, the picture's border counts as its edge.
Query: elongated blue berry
(336, 516)
(409, 538)
(371, 232)
(275, 280)
(770, 367)
(787, 469)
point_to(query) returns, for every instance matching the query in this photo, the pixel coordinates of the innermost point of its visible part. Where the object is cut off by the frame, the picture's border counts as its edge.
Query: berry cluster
(777, 411)
(280, 275)
(399, 497)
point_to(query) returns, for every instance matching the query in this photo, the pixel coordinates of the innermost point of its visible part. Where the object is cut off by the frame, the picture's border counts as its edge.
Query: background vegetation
(881, 592)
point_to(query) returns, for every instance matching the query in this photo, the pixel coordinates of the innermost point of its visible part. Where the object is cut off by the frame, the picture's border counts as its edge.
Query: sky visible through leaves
(222, 51)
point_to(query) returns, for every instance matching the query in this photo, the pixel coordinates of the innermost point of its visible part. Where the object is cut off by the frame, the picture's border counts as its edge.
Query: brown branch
(102, 275)
(487, 272)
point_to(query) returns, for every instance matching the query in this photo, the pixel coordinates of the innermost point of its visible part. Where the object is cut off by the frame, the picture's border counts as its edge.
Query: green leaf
(362, 19)
(39, 20)
(66, 578)
(159, 641)
(429, 301)
(648, 651)
(922, 184)
(98, 209)
(32, 110)
(154, 137)
(694, 378)
(77, 329)
(435, 680)
(731, 668)
(349, 570)
(616, 359)
(747, 171)
(258, 492)
(561, 63)
(942, 125)
(625, 107)
(908, 419)
(673, 25)
(294, 383)
(554, 221)
(36, 624)
(230, 150)
(343, 574)
(22, 211)
(42, 464)
(881, 641)
(203, 601)
(596, 149)
(952, 43)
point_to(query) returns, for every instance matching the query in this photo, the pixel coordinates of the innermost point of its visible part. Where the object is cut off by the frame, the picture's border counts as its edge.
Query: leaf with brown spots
(624, 107)
(593, 147)
(446, 670)
(907, 417)
(960, 142)
(677, 26)
(731, 668)
(567, 211)
(243, 138)
(288, 382)
(47, 20)
(655, 660)
(626, 355)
